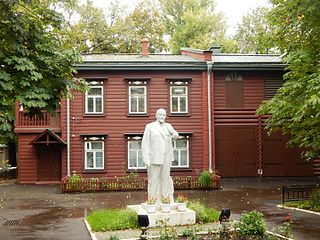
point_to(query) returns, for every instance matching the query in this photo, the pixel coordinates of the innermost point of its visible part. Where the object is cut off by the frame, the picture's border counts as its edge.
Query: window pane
(99, 160)
(132, 159)
(141, 104)
(183, 104)
(184, 157)
(90, 104)
(140, 160)
(176, 158)
(135, 145)
(137, 90)
(96, 145)
(133, 107)
(174, 104)
(179, 90)
(98, 104)
(181, 144)
(89, 159)
(95, 91)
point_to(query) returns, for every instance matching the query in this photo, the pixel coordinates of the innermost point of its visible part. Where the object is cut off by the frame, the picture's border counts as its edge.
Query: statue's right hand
(147, 162)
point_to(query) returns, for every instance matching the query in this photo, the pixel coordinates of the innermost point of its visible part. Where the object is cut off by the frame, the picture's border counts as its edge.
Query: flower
(181, 199)
(151, 200)
(288, 218)
(165, 199)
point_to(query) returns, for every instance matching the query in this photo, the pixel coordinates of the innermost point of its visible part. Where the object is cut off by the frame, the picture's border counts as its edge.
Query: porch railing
(43, 119)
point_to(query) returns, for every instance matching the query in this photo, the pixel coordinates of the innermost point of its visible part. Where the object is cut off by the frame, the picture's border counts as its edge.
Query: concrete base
(172, 218)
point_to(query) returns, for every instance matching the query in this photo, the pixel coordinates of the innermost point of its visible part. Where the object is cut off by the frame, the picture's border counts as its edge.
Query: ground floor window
(181, 152)
(94, 153)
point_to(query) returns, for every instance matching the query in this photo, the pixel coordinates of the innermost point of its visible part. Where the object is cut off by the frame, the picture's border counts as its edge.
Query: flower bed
(76, 183)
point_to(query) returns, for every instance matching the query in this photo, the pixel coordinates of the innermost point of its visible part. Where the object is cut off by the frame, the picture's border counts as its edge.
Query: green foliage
(113, 238)
(191, 233)
(251, 224)
(112, 219)
(295, 107)
(37, 62)
(203, 214)
(167, 232)
(254, 34)
(192, 23)
(315, 200)
(205, 179)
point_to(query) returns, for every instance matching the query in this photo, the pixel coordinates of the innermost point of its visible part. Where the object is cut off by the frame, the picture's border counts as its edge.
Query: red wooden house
(98, 133)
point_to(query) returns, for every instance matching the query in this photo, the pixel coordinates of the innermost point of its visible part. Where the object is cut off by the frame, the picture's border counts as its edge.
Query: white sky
(233, 9)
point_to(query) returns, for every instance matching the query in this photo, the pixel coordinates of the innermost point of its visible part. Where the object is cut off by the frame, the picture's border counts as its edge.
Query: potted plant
(181, 203)
(151, 204)
(165, 204)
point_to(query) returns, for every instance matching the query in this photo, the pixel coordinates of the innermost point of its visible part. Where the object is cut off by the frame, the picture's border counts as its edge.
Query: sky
(233, 9)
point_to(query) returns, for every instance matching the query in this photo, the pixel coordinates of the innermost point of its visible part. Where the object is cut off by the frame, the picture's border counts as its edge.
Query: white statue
(157, 154)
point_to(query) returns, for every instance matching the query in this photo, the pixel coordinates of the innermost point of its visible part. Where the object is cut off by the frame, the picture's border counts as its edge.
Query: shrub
(251, 224)
(315, 200)
(205, 179)
(113, 219)
(203, 214)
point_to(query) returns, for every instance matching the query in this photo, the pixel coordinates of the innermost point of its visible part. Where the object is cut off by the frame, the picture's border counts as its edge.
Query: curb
(297, 209)
(92, 235)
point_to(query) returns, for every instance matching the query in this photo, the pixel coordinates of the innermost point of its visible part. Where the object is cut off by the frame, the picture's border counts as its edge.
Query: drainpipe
(209, 71)
(68, 136)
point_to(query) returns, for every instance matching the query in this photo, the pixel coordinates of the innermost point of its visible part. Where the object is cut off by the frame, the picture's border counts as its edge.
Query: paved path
(43, 212)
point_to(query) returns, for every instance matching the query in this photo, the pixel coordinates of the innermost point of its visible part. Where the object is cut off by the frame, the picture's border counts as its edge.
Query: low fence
(297, 192)
(128, 184)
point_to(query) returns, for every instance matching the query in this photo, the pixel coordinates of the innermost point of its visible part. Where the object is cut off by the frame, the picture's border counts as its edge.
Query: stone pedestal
(172, 218)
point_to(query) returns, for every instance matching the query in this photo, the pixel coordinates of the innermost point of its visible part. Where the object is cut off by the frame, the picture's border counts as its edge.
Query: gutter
(209, 71)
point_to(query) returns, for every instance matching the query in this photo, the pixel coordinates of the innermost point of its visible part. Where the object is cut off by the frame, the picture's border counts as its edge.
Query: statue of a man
(157, 152)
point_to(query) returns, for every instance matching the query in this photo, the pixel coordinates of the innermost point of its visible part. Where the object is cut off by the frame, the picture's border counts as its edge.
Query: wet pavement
(43, 212)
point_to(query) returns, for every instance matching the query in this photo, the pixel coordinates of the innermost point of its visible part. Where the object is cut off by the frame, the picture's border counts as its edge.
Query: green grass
(303, 204)
(204, 214)
(112, 219)
(119, 219)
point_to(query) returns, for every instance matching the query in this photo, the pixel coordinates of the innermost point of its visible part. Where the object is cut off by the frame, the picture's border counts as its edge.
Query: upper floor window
(181, 152)
(234, 90)
(137, 96)
(94, 153)
(94, 98)
(179, 96)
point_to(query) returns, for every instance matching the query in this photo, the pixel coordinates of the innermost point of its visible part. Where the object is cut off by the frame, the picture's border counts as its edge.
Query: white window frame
(137, 98)
(88, 149)
(179, 97)
(94, 98)
(179, 150)
(136, 153)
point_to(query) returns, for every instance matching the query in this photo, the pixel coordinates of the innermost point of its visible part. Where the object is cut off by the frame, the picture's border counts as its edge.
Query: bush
(112, 219)
(251, 224)
(315, 200)
(205, 179)
(203, 214)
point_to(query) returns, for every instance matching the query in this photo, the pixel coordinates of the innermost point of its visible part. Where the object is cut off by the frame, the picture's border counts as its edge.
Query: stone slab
(172, 218)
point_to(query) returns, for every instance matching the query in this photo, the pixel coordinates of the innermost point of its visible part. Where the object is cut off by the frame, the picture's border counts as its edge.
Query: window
(94, 100)
(179, 99)
(234, 90)
(137, 99)
(94, 153)
(271, 87)
(135, 160)
(137, 95)
(181, 152)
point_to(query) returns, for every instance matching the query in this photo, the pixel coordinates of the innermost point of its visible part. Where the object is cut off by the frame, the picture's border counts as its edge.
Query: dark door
(236, 151)
(280, 160)
(49, 162)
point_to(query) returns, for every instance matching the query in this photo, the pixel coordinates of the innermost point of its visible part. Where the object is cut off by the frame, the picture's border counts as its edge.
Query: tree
(296, 107)
(254, 34)
(192, 23)
(144, 21)
(36, 68)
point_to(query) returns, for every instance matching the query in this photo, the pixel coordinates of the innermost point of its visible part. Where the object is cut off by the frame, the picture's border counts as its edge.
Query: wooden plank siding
(27, 159)
(115, 121)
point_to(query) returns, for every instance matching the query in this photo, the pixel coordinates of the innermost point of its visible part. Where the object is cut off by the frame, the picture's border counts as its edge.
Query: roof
(220, 61)
(248, 62)
(138, 62)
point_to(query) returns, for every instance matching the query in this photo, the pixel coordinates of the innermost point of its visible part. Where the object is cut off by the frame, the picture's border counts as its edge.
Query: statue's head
(161, 115)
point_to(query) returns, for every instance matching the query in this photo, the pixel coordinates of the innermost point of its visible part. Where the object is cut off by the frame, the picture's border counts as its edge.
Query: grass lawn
(120, 219)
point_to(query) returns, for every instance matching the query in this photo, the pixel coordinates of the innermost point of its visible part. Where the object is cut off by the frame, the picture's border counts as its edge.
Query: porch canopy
(47, 137)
